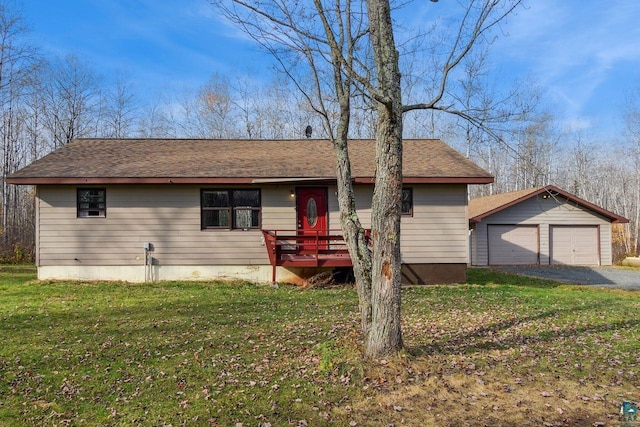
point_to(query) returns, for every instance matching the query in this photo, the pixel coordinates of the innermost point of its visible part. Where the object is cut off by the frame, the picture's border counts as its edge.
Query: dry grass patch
(487, 399)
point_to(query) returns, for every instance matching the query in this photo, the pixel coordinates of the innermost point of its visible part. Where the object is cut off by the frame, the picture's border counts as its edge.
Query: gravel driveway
(609, 277)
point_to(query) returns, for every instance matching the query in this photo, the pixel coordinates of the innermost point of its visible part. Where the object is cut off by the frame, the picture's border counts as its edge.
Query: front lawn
(500, 351)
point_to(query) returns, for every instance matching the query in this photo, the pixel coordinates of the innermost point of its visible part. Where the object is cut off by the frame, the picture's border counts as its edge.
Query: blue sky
(585, 54)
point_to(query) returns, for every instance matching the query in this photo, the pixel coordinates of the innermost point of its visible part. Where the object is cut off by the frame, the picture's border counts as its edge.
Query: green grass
(501, 350)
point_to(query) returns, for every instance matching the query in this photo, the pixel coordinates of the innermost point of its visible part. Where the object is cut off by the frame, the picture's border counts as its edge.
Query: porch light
(292, 194)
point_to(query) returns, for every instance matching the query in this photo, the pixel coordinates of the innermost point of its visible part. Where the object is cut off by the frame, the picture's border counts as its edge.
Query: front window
(230, 209)
(92, 202)
(407, 201)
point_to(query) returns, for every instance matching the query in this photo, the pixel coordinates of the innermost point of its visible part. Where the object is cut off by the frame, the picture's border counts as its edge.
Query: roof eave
(123, 180)
(448, 180)
(615, 218)
(230, 180)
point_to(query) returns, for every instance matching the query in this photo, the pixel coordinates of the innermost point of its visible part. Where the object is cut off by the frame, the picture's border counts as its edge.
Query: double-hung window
(92, 203)
(230, 209)
(407, 201)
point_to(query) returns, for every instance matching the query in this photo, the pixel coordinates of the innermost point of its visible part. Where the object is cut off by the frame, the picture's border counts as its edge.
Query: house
(176, 209)
(544, 225)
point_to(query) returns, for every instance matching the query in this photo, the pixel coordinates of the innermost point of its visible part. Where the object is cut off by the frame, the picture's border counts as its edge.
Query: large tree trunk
(385, 336)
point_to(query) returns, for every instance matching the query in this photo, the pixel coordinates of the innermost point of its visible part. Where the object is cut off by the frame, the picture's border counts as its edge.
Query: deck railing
(296, 248)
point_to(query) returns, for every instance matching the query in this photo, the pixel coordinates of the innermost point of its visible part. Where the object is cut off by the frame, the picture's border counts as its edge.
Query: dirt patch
(339, 277)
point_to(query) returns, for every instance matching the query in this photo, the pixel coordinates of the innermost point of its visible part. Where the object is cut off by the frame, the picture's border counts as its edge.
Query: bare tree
(73, 97)
(279, 111)
(209, 113)
(157, 120)
(349, 48)
(18, 62)
(536, 148)
(121, 110)
(632, 152)
(478, 18)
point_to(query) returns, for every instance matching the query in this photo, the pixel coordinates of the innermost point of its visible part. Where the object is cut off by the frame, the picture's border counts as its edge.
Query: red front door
(311, 203)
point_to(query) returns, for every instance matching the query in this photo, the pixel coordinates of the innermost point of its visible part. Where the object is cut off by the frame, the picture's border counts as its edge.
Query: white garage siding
(513, 244)
(543, 213)
(574, 245)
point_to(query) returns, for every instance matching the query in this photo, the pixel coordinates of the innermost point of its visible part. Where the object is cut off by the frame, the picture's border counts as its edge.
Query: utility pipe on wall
(147, 248)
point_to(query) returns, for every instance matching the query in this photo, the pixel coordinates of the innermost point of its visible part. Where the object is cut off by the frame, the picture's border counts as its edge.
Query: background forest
(46, 101)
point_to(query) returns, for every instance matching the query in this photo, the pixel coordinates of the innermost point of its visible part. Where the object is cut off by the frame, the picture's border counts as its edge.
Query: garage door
(574, 245)
(513, 244)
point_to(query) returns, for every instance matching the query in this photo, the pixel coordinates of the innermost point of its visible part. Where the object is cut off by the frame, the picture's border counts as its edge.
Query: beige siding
(544, 213)
(364, 194)
(38, 203)
(166, 216)
(437, 231)
(169, 218)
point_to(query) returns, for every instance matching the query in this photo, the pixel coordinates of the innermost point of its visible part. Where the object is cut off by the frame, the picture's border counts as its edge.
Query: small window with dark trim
(230, 209)
(92, 203)
(407, 201)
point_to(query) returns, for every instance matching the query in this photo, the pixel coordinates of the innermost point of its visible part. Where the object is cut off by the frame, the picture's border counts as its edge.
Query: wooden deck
(290, 248)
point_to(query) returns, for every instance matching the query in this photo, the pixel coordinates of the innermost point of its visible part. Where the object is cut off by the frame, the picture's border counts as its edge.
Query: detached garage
(543, 225)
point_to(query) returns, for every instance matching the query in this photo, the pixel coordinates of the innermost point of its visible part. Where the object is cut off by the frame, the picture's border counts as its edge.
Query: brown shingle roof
(205, 160)
(485, 206)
